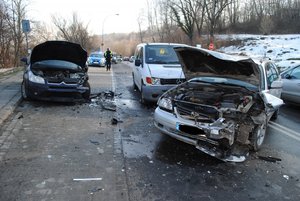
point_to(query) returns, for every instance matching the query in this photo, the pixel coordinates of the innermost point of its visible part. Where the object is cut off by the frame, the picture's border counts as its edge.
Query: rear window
(96, 55)
(161, 54)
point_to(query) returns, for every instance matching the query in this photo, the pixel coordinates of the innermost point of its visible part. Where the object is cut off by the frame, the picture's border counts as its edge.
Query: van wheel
(258, 136)
(134, 85)
(143, 100)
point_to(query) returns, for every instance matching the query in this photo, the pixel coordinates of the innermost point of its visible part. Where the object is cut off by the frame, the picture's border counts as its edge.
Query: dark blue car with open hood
(56, 71)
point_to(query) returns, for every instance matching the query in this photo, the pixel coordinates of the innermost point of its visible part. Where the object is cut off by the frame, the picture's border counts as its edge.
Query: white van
(156, 69)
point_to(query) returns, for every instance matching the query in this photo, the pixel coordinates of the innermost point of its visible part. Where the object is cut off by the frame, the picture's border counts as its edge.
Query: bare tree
(140, 21)
(73, 31)
(214, 9)
(16, 13)
(184, 17)
(5, 37)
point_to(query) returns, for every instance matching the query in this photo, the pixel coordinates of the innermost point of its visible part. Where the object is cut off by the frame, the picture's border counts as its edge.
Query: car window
(139, 53)
(96, 55)
(161, 54)
(295, 74)
(272, 73)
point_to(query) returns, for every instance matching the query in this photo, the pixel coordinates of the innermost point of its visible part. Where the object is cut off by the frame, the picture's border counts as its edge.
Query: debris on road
(94, 142)
(269, 158)
(115, 121)
(286, 177)
(104, 99)
(96, 189)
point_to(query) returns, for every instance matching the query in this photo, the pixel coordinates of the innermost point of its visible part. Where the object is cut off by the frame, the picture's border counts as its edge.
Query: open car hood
(197, 62)
(59, 50)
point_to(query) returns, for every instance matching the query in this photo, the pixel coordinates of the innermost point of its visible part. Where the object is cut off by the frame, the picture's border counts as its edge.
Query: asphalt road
(73, 152)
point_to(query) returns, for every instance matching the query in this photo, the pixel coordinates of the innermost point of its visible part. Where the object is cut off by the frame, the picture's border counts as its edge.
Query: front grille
(197, 112)
(65, 80)
(171, 81)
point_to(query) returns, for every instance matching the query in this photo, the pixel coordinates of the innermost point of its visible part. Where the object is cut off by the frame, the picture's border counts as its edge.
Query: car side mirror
(288, 76)
(25, 60)
(137, 62)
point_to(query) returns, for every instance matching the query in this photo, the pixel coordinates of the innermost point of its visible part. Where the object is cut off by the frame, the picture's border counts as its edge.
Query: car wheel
(134, 85)
(86, 95)
(258, 136)
(24, 92)
(275, 115)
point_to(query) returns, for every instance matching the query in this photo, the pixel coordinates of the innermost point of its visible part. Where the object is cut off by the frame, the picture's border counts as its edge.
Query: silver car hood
(59, 50)
(197, 62)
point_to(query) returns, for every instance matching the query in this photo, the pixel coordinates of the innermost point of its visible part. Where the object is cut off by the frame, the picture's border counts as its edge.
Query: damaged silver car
(224, 107)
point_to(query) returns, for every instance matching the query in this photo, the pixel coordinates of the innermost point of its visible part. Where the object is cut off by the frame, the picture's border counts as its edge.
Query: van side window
(139, 54)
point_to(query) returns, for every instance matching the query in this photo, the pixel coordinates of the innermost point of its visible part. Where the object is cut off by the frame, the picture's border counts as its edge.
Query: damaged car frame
(224, 107)
(56, 71)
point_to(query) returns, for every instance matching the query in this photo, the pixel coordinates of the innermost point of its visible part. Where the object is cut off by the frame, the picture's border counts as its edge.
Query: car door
(274, 81)
(291, 85)
(138, 67)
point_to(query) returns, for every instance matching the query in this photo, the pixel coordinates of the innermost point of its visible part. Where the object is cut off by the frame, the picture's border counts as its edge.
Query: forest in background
(179, 21)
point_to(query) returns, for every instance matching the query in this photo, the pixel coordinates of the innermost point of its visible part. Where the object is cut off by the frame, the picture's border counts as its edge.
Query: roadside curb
(11, 100)
(10, 71)
(10, 108)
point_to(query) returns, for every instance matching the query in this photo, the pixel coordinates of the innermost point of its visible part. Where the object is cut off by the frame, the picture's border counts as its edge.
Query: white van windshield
(161, 54)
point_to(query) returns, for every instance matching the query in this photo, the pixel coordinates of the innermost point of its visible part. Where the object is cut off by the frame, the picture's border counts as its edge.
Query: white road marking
(88, 179)
(284, 130)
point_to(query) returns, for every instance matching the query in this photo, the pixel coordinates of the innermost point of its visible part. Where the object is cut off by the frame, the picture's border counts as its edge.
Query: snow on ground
(284, 50)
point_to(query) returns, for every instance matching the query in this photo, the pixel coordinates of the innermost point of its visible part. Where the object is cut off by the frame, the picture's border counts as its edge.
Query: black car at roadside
(56, 71)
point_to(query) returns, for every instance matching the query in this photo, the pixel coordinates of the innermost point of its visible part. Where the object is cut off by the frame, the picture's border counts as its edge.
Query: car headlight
(35, 79)
(165, 103)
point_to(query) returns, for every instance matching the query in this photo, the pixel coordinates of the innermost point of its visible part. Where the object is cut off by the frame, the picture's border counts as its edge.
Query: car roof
(171, 44)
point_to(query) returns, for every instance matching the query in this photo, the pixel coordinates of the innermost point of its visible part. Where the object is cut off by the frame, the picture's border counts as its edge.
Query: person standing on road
(108, 56)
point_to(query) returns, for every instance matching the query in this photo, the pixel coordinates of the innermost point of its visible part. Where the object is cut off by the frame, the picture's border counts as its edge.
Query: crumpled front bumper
(167, 123)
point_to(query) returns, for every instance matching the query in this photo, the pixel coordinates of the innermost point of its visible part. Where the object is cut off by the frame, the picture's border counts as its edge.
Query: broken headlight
(165, 104)
(34, 78)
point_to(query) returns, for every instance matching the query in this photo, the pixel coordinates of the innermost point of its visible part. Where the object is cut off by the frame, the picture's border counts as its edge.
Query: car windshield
(96, 55)
(225, 81)
(161, 54)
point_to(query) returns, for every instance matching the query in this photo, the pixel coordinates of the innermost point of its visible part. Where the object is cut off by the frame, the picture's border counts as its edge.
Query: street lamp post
(102, 42)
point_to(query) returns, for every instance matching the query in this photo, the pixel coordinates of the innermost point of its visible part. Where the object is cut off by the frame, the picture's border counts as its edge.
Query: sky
(100, 15)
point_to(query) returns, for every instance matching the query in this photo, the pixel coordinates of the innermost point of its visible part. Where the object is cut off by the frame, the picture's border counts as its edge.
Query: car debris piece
(269, 158)
(94, 142)
(104, 99)
(115, 121)
(286, 177)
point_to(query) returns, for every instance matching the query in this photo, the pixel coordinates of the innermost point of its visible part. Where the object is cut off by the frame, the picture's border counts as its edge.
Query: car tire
(258, 136)
(275, 115)
(134, 84)
(24, 91)
(86, 95)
